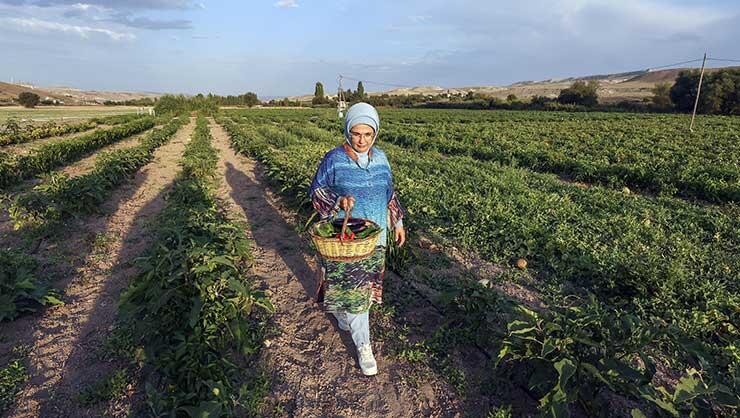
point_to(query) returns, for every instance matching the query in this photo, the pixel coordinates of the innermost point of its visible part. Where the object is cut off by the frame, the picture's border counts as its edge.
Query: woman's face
(362, 137)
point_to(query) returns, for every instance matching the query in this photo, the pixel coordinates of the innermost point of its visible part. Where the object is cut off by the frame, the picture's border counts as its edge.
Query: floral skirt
(352, 286)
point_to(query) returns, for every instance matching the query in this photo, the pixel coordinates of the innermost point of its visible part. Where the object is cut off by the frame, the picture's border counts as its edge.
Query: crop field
(558, 263)
(60, 113)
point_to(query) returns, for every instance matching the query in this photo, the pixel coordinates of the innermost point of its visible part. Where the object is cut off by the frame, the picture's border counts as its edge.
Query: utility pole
(341, 104)
(698, 90)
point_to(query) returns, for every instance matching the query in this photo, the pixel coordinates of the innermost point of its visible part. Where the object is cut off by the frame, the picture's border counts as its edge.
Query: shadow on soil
(261, 213)
(63, 253)
(88, 363)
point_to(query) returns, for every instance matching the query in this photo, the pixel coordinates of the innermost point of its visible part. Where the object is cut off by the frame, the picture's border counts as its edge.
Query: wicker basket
(337, 250)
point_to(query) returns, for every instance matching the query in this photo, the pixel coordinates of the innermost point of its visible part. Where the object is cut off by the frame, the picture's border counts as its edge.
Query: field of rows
(632, 280)
(197, 258)
(629, 225)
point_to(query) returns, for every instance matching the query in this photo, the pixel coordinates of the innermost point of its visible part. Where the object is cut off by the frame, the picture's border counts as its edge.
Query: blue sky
(281, 47)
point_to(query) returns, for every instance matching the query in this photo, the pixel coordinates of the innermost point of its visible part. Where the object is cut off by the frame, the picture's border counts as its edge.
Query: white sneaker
(342, 321)
(367, 360)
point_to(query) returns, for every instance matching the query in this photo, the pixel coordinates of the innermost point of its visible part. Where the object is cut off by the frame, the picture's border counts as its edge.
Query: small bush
(580, 93)
(28, 99)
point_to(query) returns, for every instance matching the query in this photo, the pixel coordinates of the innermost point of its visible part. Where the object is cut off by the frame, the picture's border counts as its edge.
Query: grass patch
(108, 387)
(12, 377)
(118, 344)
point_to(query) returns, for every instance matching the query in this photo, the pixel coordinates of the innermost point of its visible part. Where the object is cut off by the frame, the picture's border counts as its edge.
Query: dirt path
(313, 364)
(93, 265)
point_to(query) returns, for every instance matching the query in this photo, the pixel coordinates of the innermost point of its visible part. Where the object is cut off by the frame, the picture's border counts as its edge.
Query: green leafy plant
(20, 290)
(581, 347)
(14, 134)
(12, 376)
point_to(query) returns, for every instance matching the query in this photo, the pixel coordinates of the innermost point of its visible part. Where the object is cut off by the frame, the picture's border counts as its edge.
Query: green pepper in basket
(325, 230)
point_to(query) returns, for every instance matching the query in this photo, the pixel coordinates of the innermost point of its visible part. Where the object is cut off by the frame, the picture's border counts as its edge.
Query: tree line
(720, 94)
(168, 101)
(320, 98)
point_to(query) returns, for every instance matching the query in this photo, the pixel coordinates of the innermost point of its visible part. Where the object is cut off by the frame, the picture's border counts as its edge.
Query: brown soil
(92, 263)
(312, 363)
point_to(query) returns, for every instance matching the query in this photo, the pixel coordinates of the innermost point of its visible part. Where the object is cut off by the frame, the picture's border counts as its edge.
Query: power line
(674, 64)
(722, 59)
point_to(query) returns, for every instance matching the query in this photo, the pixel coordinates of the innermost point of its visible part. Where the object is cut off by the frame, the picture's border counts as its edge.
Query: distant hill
(9, 92)
(633, 85)
(68, 95)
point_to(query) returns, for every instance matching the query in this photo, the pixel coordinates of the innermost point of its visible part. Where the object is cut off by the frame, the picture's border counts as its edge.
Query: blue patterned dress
(352, 286)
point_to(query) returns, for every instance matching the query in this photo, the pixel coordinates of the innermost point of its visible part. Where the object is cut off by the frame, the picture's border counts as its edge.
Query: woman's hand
(400, 236)
(346, 203)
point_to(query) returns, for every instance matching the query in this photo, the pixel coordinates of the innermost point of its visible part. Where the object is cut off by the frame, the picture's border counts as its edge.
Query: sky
(282, 47)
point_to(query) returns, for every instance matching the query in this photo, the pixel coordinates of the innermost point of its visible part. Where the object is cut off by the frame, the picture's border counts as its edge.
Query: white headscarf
(361, 113)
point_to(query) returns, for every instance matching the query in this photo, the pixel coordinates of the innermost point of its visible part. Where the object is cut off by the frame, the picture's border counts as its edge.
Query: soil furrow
(93, 264)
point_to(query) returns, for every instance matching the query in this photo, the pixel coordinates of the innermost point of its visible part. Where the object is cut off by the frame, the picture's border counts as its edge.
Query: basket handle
(347, 215)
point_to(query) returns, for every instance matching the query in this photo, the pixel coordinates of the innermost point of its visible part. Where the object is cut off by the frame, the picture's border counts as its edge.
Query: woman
(357, 177)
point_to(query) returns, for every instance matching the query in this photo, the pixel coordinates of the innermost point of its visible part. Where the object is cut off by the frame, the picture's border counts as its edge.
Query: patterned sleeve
(395, 210)
(323, 198)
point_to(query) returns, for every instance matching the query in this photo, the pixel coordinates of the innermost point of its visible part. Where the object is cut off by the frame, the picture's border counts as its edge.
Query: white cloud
(286, 4)
(43, 26)
(82, 6)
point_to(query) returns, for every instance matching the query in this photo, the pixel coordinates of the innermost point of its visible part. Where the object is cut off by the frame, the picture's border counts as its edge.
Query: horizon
(281, 48)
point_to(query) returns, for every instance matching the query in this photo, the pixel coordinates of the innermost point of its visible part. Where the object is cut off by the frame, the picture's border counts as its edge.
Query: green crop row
(13, 133)
(197, 316)
(14, 168)
(116, 119)
(62, 196)
(666, 261)
(683, 171)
